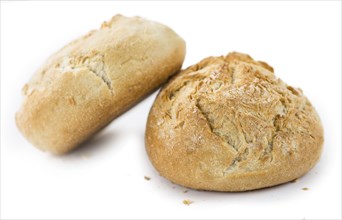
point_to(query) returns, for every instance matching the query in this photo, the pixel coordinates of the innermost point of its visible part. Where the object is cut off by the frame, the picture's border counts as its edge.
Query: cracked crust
(228, 124)
(93, 79)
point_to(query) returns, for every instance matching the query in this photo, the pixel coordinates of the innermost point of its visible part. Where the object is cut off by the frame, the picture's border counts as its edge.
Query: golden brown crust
(228, 124)
(95, 78)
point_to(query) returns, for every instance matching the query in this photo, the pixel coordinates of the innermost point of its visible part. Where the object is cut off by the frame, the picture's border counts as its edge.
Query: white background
(105, 178)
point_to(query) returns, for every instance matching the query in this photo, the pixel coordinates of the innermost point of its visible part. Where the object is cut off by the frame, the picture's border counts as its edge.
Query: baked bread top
(229, 124)
(121, 45)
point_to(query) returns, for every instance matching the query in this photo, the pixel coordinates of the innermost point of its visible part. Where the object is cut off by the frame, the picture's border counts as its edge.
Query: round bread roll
(228, 124)
(92, 80)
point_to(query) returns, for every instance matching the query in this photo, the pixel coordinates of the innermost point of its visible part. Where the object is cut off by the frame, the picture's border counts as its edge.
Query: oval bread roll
(92, 80)
(228, 124)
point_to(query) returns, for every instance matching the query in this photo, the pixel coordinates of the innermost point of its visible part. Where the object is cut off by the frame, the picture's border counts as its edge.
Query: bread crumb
(147, 178)
(305, 188)
(185, 191)
(187, 202)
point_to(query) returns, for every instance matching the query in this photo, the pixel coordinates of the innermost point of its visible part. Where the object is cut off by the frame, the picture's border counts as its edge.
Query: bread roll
(92, 80)
(228, 124)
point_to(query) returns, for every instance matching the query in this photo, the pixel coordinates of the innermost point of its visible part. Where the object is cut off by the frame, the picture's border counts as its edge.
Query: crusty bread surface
(93, 79)
(229, 124)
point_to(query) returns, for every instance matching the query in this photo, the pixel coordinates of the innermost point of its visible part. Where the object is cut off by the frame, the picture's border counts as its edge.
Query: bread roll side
(95, 78)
